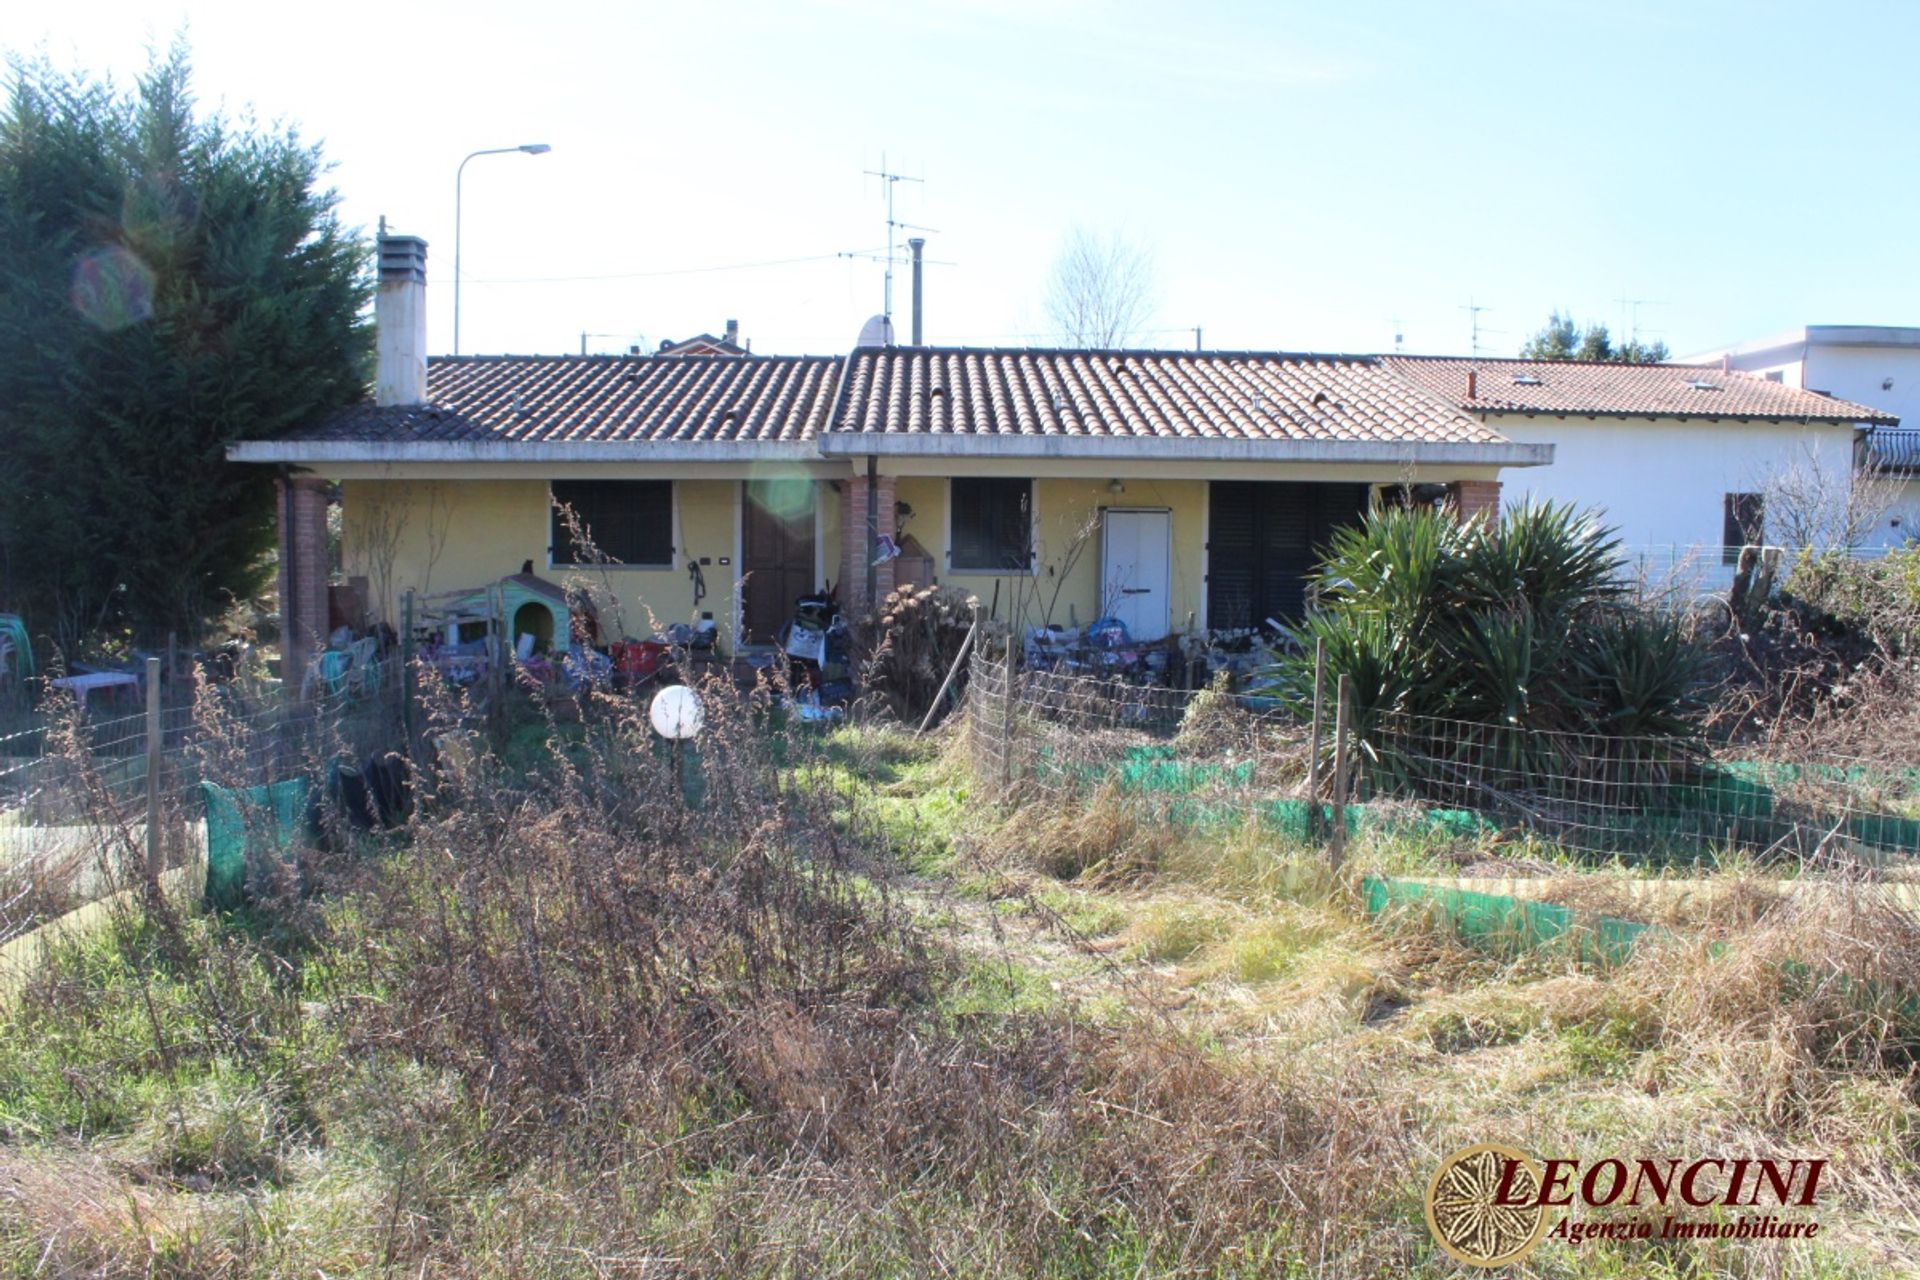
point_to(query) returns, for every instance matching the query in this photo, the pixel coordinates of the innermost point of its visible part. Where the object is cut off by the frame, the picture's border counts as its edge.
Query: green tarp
(266, 819)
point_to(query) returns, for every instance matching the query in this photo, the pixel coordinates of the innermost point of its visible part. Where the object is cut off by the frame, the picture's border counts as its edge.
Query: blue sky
(1308, 176)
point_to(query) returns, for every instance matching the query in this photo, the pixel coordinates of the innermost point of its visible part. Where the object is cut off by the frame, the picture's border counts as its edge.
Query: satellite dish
(676, 713)
(877, 332)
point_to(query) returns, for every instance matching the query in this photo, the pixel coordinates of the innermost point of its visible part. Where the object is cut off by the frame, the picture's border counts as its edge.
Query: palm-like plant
(1492, 641)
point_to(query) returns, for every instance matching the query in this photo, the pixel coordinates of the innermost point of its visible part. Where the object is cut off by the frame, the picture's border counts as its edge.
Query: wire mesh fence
(1188, 756)
(1208, 758)
(1653, 799)
(90, 804)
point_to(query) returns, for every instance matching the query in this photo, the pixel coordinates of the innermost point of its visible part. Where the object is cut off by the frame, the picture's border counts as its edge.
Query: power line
(648, 275)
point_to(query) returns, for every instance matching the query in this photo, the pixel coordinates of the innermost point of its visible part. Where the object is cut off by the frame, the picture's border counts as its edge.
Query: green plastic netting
(247, 822)
(1508, 925)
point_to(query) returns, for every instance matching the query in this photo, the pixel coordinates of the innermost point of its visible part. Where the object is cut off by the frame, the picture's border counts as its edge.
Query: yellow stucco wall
(433, 536)
(829, 559)
(1065, 583)
(436, 536)
(444, 535)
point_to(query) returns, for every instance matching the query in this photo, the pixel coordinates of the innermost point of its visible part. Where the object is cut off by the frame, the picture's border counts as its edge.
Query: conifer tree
(170, 283)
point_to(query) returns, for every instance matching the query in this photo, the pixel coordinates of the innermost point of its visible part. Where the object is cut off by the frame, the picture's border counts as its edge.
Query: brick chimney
(400, 322)
(733, 332)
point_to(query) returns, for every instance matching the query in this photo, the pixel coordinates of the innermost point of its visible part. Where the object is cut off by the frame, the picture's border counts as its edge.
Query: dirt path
(1019, 930)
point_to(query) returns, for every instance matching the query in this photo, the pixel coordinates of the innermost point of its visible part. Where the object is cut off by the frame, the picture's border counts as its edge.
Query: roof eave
(315, 452)
(1871, 420)
(1161, 448)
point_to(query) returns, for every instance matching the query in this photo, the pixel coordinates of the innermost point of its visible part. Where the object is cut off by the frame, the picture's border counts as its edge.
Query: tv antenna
(1632, 307)
(1473, 309)
(890, 258)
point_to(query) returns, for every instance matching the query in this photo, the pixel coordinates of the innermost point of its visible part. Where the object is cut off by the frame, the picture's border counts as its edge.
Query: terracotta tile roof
(603, 400)
(1248, 396)
(1580, 387)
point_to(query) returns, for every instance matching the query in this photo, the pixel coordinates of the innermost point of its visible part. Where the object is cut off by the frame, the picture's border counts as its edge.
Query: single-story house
(1681, 458)
(1057, 485)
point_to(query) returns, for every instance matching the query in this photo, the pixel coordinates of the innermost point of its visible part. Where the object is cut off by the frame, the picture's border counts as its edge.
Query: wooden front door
(776, 555)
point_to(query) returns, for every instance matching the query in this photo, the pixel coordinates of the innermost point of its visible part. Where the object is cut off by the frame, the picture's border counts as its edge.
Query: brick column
(303, 573)
(1470, 498)
(857, 542)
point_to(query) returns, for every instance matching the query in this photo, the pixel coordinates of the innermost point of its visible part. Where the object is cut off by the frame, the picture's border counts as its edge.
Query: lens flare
(112, 288)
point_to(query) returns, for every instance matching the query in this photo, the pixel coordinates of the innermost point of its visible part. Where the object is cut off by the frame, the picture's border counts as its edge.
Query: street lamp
(532, 149)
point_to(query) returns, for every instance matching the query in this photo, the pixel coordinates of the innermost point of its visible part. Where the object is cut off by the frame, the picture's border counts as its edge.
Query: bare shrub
(905, 650)
(1811, 505)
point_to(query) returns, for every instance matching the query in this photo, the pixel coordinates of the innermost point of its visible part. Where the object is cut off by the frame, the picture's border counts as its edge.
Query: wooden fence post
(1313, 750)
(966, 646)
(497, 661)
(155, 855)
(1193, 647)
(406, 670)
(1006, 712)
(1342, 726)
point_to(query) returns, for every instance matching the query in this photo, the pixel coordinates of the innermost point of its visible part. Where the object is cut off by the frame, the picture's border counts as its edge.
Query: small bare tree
(1078, 536)
(1811, 505)
(1101, 291)
(379, 529)
(439, 522)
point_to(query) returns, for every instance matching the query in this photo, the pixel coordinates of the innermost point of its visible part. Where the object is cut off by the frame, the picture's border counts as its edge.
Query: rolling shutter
(1263, 541)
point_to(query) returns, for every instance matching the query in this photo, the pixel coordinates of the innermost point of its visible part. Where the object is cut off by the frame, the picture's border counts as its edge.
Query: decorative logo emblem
(1469, 1215)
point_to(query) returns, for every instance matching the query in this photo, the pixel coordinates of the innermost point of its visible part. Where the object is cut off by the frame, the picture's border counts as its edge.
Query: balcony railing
(1894, 449)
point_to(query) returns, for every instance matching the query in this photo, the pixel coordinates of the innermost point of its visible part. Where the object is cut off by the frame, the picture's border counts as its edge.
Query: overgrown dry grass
(1761, 1023)
(567, 1024)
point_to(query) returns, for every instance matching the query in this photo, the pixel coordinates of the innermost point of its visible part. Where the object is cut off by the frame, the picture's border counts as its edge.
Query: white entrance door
(1134, 566)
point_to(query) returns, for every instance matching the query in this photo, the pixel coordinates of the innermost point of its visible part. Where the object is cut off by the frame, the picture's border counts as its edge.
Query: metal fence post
(1313, 748)
(155, 856)
(1342, 726)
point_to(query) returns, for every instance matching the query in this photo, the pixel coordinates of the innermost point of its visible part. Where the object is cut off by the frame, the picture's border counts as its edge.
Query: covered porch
(1174, 550)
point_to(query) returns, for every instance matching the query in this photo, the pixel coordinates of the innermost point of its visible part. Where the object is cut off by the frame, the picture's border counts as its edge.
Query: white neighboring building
(1869, 364)
(1676, 456)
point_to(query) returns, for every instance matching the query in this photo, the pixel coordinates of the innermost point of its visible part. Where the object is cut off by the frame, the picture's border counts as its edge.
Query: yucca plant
(1491, 642)
(1550, 558)
(1640, 674)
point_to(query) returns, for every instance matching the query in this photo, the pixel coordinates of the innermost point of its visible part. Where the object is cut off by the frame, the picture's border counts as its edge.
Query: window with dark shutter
(992, 525)
(627, 522)
(1263, 541)
(1743, 523)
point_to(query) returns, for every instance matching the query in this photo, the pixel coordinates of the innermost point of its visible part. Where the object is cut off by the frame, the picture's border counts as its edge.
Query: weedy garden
(1074, 985)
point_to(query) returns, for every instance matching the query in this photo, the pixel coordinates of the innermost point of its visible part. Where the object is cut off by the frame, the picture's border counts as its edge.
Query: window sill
(616, 568)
